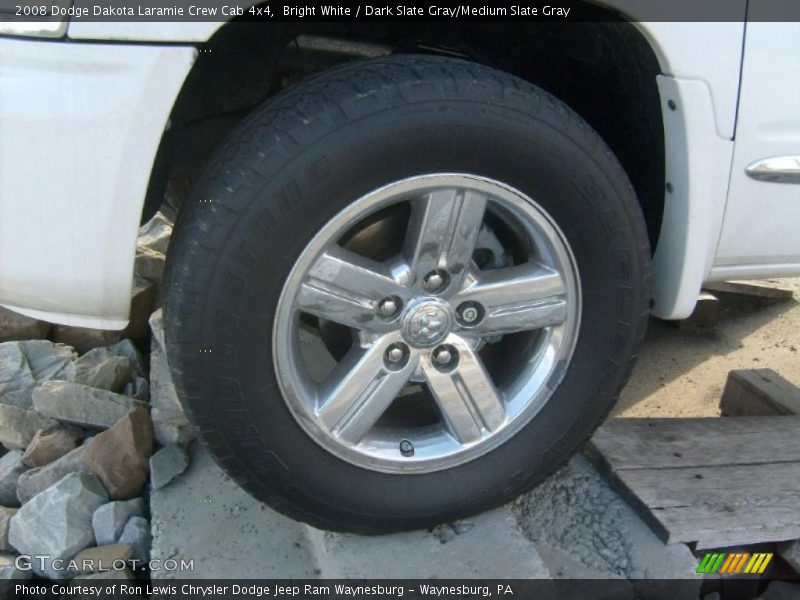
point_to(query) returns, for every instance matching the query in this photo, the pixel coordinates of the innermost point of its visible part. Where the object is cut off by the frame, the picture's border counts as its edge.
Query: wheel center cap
(427, 323)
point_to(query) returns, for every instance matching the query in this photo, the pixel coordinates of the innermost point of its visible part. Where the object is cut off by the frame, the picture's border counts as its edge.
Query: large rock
(11, 467)
(119, 456)
(49, 445)
(167, 464)
(151, 248)
(157, 329)
(125, 574)
(82, 405)
(169, 421)
(37, 480)
(102, 558)
(24, 364)
(6, 514)
(110, 519)
(149, 265)
(14, 326)
(155, 234)
(102, 368)
(139, 389)
(18, 425)
(58, 522)
(129, 350)
(50, 361)
(16, 379)
(136, 534)
(9, 570)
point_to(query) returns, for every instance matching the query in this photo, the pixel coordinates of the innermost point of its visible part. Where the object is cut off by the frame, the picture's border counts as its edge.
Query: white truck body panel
(82, 124)
(761, 232)
(697, 169)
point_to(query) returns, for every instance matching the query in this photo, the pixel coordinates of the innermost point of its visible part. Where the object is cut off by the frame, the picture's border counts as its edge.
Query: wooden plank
(746, 537)
(730, 489)
(759, 392)
(749, 289)
(660, 443)
(712, 529)
(728, 506)
(717, 482)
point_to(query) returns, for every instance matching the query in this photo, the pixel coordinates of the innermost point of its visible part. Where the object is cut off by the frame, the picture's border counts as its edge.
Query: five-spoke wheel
(420, 316)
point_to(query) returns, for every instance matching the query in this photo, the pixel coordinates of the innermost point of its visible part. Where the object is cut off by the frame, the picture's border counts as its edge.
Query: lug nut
(433, 281)
(445, 357)
(469, 313)
(387, 307)
(442, 356)
(395, 356)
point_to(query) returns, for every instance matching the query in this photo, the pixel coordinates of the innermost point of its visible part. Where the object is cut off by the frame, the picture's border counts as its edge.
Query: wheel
(403, 292)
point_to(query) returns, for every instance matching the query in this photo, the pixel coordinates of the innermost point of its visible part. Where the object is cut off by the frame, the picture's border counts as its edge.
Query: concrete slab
(205, 517)
(490, 545)
(583, 528)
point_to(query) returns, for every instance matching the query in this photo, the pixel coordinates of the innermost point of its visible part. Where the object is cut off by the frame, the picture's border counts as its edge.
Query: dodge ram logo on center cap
(427, 324)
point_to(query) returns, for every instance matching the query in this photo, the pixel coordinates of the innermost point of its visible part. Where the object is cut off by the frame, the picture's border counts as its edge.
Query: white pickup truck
(412, 263)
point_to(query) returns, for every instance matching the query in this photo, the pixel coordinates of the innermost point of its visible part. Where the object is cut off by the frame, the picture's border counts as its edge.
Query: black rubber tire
(298, 160)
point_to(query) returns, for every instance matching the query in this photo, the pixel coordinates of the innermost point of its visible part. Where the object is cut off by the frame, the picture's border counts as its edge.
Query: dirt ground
(682, 373)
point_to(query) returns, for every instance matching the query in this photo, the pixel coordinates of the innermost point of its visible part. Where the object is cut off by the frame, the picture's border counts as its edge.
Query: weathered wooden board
(749, 289)
(655, 443)
(718, 482)
(758, 392)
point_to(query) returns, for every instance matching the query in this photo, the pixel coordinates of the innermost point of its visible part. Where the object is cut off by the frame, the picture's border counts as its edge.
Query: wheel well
(602, 67)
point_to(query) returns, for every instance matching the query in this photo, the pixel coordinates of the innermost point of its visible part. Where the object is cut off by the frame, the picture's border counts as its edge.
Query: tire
(288, 172)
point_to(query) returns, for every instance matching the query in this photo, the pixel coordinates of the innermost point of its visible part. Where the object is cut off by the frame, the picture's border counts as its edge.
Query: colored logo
(734, 563)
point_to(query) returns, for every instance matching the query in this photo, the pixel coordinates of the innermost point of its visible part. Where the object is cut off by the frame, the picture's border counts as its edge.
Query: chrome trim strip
(778, 169)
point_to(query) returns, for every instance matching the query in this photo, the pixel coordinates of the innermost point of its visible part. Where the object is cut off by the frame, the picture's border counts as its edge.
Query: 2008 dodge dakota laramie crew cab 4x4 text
(412, 262)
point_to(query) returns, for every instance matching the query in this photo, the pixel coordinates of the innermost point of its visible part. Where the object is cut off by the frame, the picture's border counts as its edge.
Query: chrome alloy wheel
(426, 323)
